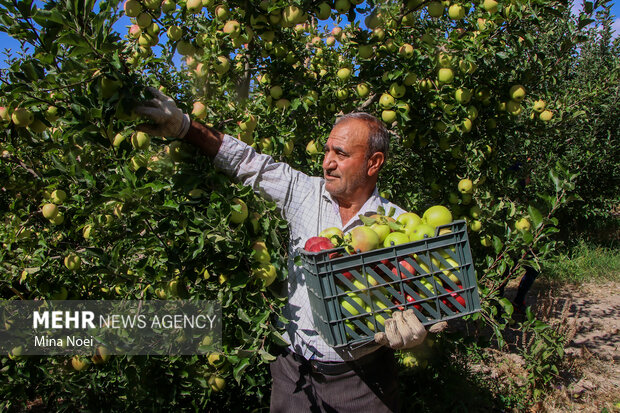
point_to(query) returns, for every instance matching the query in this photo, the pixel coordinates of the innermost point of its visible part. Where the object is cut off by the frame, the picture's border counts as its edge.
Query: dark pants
(524, 286)
(371, 385)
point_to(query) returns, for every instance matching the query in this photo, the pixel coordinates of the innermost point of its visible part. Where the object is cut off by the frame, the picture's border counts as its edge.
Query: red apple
(316, 244)
(406, 266)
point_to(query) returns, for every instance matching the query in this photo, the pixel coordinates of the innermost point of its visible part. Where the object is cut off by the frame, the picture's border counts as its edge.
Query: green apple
(475, 225)
(37, 126)
(437, 215)
(397, 90)
(139, 161)
(266, 273)
(362, 239)
(73, 262)
(456, 12)
(276, 92)
(199, 110)
(410, 79)
(185, 48)
(388, 116)
(445, 75)
(539, 106)
(168, 6)
(435, 9)
(58, 196)
(312, 149)
(109, 87)
(386, 101)
(79, 363)
(217, 383)
(382, 230)
(222, 65)
(261, 252)
(237, 217)
(174, 33)
(421, 231)
(362, 90)
(546, 115)
(462, 95)
(22, 117)
(196, 193)
(87, 231)
(395, 238)
(517, 93)
(406, 51)
(324, 11)
(342, 6)
(475, 211)
(454, 265)
(342, 94)
(349, 303)
(232, 28)
(334, 234)
(486, 241)
(523, 225)
(344, 73)
(60, 294)
(132, 8)
(4, 114)
(140, 140)
(409, 219)
(490, 6)
(466, 186)
(49, 211)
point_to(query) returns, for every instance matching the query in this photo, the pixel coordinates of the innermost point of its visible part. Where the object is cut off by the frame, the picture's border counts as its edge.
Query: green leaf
(46, 18)
(535, 216)
(507, 305)
(267, 358)
(243, 316)
(240, 368)
(556, 180)
(277, 338)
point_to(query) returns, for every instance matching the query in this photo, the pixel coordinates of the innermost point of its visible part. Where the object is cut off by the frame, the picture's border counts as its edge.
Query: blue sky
(11, 46)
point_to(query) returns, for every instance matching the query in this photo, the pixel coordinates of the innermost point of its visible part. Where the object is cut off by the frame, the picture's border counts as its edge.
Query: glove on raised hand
(166, 118)
(404, 330)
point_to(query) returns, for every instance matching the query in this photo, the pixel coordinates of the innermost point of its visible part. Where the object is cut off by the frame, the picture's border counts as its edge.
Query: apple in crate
(316, 244)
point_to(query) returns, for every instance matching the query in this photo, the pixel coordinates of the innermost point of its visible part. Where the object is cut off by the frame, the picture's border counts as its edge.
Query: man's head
(354, 153)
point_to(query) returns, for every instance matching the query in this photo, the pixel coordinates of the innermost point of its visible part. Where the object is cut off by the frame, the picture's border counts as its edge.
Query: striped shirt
(302, 201)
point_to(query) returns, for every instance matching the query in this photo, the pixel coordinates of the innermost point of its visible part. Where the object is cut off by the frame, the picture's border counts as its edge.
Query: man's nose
(328, 161)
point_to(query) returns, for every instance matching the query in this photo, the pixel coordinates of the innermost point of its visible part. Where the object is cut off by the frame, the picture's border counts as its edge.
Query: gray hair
(378, 135)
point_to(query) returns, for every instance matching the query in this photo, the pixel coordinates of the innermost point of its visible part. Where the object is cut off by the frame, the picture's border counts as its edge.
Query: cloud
(576, 7)
(616, 28)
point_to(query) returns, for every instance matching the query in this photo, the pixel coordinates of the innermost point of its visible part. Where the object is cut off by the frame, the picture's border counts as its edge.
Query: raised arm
(166, 119)
(275, 181)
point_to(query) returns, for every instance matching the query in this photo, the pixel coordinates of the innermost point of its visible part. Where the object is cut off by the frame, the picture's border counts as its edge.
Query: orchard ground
(590, 375)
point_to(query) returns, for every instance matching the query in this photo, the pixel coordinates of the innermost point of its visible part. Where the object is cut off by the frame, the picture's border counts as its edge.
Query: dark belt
(333, 368)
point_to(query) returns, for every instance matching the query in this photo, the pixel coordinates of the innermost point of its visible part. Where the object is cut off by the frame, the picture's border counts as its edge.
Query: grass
(585, 263)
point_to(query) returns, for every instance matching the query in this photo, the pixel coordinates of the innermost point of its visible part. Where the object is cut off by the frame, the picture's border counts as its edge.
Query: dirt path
(592, 374)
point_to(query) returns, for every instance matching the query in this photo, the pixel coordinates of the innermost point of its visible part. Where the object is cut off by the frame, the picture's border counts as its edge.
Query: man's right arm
(205, 138)
(274, 181)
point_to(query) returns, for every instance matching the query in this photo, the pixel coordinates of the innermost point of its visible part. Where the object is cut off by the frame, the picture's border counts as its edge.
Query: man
(310, 375)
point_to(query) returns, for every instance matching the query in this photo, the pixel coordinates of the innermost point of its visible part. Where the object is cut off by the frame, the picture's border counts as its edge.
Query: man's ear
(375, 162)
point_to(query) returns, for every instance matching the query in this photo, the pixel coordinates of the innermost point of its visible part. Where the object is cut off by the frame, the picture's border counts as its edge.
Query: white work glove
(404, 330)
(166, 119)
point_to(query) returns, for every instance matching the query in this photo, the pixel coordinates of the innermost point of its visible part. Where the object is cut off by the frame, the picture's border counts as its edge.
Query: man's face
(345, 166)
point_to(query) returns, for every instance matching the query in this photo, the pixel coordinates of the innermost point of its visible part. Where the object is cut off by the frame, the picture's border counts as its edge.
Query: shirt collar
(369, 206)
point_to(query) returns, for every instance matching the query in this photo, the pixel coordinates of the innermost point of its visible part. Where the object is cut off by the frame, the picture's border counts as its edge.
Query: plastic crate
(350, 295)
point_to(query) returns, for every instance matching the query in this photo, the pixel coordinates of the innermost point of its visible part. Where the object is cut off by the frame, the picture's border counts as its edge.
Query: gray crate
(351, 295)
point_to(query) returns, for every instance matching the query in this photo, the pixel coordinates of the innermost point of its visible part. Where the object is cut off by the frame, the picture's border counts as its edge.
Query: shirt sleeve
(274, 181)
